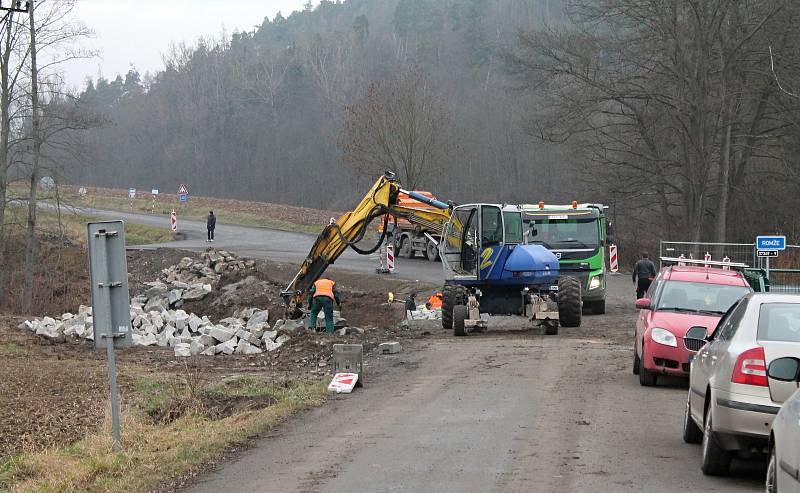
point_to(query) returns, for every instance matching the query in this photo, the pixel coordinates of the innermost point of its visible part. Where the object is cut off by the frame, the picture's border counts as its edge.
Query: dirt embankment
(57, 393)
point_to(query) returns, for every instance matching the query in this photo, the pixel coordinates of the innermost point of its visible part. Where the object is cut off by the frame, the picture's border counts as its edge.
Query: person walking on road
(211, 224)
(321, 297)
(643, 274)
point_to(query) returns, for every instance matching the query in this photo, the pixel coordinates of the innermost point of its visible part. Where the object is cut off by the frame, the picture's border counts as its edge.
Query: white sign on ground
(343, 383)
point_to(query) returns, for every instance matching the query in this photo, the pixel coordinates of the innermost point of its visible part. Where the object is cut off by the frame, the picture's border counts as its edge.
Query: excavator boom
(350, 229)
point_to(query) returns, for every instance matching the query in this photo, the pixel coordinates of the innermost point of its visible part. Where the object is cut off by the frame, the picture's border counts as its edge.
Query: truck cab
(577, 234)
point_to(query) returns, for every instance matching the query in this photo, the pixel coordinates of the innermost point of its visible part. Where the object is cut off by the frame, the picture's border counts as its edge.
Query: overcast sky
(137, 32)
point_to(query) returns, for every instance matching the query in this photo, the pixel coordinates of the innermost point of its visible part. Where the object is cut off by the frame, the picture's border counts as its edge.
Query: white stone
(271, 345)
(258, 319)
(209, 351)
(229, 346)
(206, 340)
(183, 350)
(157, 320)
(174, 296)
(196, 348)
(194, 322)
(220, 333)
(270, 335)
(67, 316)
(283, 339)
(245, 347)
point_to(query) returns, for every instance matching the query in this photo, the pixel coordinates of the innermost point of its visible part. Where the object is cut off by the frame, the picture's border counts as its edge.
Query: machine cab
(474, 238)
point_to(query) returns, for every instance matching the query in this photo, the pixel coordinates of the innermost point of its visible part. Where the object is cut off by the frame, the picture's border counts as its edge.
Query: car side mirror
(783, 375)
(643, 303)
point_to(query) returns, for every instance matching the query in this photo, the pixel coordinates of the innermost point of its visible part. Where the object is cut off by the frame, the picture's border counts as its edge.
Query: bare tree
(400, 124)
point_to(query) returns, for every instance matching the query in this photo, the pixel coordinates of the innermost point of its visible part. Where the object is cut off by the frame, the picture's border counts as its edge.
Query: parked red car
(680, 297)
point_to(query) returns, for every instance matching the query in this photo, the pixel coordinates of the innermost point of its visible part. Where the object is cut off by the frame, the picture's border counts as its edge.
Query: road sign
(768, 253)
(154, 191)
(183, 197)
(131, 193)
(770, 243)
(182, 190)
(108, 277)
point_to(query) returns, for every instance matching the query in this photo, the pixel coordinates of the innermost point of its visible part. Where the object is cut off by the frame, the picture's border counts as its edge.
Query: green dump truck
(578, 235)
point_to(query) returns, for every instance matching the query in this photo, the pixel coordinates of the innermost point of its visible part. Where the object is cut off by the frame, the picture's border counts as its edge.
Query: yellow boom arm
(350, 228)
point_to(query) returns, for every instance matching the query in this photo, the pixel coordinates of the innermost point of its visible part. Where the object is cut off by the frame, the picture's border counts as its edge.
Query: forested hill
(263, 115)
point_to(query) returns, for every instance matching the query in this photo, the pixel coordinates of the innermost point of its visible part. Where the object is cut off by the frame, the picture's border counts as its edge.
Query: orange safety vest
(324, 287)
(435, 301)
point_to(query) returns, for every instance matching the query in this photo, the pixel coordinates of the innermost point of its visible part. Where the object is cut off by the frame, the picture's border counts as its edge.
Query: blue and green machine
(577, 234)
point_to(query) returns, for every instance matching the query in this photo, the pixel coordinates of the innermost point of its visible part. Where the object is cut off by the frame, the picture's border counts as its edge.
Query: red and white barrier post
(173, 221)
(613, 259)
(390, 256)
(682, 257)
(707, 258)
(726, 260)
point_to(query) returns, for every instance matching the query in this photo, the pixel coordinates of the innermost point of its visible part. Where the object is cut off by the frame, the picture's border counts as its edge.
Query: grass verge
(73, 226)
(154, 451)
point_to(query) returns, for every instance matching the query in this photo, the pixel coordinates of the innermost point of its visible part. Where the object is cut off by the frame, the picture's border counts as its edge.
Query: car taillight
(751, 368)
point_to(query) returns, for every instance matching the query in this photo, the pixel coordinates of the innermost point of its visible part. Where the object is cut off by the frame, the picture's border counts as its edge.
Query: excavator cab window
(491, 226)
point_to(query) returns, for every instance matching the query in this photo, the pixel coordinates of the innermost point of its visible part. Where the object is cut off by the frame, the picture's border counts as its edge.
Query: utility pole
(30, 244)
(15, 6)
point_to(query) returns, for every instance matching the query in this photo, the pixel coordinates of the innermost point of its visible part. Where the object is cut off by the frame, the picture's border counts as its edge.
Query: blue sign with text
(770, 243)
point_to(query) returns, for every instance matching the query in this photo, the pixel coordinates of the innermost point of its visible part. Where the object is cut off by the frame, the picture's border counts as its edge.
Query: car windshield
(699, 297)
(779, 322)
(565, 233)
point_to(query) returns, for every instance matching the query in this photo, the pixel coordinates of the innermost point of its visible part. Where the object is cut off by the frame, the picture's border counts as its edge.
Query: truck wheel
(452, 295)
(597, 307)
(405, 250)
(460, 313)
(569, 301)
(431, 251)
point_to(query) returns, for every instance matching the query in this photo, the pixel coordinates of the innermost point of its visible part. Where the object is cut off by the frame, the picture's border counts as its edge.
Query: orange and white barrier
(726, 260)
(613, 259)
(707, 258)
(173, 221)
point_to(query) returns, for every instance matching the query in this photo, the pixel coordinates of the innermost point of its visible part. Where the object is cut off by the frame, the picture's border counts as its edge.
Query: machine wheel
(646, 377)
(716, 460)
(460, 313)
(569, 301)
(597, 307)
(691, 432)
(550, 327)
(405, 250)
(637, 363)
(431, 251)
(452, 295)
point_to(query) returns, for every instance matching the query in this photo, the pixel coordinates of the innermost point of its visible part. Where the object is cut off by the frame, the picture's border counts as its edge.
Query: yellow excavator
(488, 266)
(380, 202)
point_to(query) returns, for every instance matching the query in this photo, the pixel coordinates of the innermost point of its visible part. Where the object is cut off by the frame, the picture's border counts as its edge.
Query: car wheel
(772, 472)
(646, 377)
(691, 432)
(637, 363)
(716, 460)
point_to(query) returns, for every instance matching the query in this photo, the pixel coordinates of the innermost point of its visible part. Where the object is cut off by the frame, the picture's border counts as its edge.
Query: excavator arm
(350, 229)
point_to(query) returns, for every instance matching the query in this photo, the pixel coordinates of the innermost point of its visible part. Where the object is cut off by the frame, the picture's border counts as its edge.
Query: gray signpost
(108, 275)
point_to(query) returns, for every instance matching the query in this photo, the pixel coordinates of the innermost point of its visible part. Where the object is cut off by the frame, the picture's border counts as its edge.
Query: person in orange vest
(321, 297)
(435, 301)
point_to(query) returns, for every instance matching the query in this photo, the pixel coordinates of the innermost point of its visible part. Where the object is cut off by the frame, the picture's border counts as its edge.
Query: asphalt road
(508, 410)
(279, 246)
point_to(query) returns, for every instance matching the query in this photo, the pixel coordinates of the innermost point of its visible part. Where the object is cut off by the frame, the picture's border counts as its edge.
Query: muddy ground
(56, 393)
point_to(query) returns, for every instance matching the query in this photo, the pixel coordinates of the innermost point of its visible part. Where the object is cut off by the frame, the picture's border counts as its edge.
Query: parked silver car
(783, 473)
(729, 408)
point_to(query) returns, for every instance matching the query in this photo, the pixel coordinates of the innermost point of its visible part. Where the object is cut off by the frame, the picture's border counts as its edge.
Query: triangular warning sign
(183, 190)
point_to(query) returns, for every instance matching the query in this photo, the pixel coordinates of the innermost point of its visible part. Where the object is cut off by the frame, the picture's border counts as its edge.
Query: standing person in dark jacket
(643, 274)
(211, 223)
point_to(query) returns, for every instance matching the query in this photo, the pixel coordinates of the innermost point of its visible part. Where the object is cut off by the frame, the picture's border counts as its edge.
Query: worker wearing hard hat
(321, 297)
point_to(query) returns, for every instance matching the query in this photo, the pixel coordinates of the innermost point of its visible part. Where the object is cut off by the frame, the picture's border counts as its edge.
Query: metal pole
(767, 268)
(112, 379)
(105, 303)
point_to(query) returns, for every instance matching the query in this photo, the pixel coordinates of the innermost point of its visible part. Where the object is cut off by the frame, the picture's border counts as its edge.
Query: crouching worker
(321, 297)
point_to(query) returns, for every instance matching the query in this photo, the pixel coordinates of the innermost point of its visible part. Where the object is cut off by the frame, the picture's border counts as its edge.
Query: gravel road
(508, 410)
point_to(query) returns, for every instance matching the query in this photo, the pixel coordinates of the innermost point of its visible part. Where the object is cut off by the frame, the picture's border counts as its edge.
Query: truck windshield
(565, 233)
